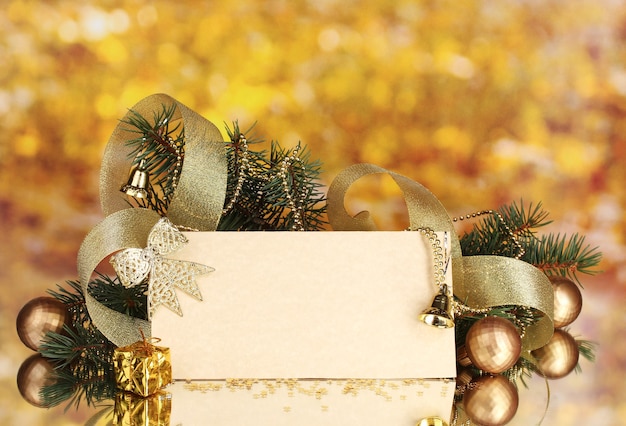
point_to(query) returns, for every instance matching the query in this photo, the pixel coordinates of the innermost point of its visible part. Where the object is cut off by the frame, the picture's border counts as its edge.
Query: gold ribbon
(120, 230)
(478, 281)
(497, 281)
(425, 210)
(197, 203)
(201, 190)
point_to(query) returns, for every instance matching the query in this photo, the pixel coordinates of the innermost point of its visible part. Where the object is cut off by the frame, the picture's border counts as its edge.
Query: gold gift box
(142, 368)
(134, 410)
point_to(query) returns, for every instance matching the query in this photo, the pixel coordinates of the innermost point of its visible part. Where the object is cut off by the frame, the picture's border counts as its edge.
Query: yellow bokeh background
(484, 102)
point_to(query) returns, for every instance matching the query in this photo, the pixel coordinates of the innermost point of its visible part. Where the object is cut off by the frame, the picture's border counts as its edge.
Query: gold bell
(432, 421)
(138, 183)
(438, 314)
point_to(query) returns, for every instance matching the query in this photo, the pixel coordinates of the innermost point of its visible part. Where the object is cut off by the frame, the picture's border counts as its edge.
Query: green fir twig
(564, 256)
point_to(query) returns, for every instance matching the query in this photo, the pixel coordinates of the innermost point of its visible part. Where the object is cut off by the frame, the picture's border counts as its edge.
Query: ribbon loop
(498, 281)
(121, 230)
(197, 203)
(479, 281)
(425, 210)
(199, 197)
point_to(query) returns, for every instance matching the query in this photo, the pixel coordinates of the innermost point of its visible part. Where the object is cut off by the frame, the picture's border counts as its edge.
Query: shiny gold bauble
(39, 316)
(491, 400)
(432, 421)
(493, 344)
(33, 375)
(568, 302)
(558, 357)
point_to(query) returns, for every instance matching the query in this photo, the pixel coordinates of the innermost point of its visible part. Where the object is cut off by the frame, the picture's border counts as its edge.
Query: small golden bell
(438, 315)
(138, 183)
(431, 421)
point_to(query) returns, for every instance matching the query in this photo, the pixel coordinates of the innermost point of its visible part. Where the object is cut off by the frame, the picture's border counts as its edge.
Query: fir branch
(553, 254)
(112, 294)
(82, 356)
(564, 256)
(522, 370)
(490, 236)
(76, 387)
(281, 192)
(159, 147)
(73, 344)
(247, 170)
(587, 350)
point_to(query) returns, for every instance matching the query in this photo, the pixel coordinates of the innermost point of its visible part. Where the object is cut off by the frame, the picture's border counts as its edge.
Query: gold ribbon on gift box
(479, 281)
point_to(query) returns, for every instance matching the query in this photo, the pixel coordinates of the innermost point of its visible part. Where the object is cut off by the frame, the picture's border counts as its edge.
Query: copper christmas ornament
(493, 344)
(33, 375)
(558, 357)
(491, 400)
(568, 301)
(39, 316)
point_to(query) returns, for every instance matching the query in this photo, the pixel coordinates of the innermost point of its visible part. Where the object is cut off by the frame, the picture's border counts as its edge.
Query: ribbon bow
(134, 265)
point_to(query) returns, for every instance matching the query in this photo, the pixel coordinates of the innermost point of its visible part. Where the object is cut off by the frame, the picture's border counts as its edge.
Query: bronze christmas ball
(558, 357)
(33, 375)
(491, 400)
(568, 302)
(493, 344)
(39, 316)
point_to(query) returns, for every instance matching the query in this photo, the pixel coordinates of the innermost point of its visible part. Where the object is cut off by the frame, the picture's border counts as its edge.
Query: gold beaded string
(295, 205)
(520, 249)
(174, 177)
(440, 266)
(244, 166)
(283, 174)
(461, 309)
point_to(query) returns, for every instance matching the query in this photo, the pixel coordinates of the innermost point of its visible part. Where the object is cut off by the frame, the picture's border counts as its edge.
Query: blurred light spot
(68, 31)
(147, 16)
(410, 11)
(461, 67)
(106, 106)
(379, 145)
(455, 141)
(5, 102)
(303, 93)
(26, 145)
(118, 21)
(94, 24)
(277, 104)
(291, 138)
(112, 50)
(328, 39)
(19, 43)
(406, 100)
(22, 97)
(131, 93)
(423, 62)
(217, 84)
(618, 80)
(190, 71)
(519, 153)
(168, 53)
(401, 36)
(608, 211)
(379, 93)
(575, 157)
